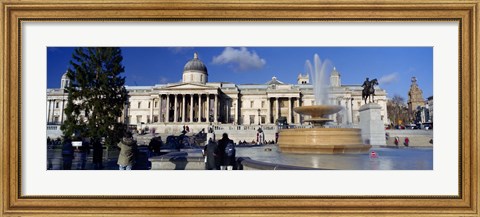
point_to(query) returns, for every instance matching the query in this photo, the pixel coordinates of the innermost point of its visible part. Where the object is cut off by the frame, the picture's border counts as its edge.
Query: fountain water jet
(319, 139)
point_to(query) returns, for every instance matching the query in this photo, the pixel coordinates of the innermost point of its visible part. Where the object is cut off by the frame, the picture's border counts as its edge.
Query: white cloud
(387, 79)
(163, 80)
(240, 59)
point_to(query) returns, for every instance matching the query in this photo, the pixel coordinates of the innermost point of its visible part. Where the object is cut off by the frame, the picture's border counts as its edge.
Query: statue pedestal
(373, 130)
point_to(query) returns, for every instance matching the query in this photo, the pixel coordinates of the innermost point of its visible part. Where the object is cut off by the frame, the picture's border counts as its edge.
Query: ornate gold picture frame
(14, 13)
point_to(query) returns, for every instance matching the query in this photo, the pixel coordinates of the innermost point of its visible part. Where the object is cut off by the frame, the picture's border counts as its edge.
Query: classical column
(175, 108)
(278, 109)
(152, 102)
(48, 110)
(191, 107)
(269, 112)
(208, 108)
(215, 107)
(235, 118)
(52, 110)
(183, 108)
(298, 115)
(227, 110)
(167, 109)
(160, 109)
(289, 110)
(199, 108)
(61, 110)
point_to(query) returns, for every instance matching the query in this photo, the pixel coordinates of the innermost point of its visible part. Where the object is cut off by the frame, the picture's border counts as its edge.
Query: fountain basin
(322, 141)
(318, 110)
(318, 113)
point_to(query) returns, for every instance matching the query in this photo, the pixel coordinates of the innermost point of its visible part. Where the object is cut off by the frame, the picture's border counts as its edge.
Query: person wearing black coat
(67, 154)
(222, 144)
(154, 145)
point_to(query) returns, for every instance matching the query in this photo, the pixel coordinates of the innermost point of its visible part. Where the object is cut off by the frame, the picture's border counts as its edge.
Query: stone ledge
(246, 163)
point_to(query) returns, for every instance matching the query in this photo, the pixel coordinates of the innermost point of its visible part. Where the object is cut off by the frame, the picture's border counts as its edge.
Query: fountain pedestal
(373, 129)
(320, 140)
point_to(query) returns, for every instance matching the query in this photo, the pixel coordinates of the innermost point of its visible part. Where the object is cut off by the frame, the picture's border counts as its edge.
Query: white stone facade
(198, 103)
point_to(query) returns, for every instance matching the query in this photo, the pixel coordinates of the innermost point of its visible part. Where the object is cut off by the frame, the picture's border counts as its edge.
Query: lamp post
(258, 116)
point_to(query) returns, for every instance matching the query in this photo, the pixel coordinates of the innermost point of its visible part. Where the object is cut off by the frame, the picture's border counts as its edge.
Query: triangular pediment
(187, 86)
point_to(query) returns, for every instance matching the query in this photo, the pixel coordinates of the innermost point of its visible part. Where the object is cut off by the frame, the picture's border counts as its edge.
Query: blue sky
(393, 66)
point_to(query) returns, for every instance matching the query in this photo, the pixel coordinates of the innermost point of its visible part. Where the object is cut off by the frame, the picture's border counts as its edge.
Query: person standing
(128, 148)
(406, 141)
(230, 155)
(211, 157)
(97, 158)
(222, 144)
(84, 151)
(154, 146)
(67, 154)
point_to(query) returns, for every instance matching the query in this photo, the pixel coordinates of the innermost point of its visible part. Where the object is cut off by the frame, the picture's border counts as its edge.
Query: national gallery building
(197, 103)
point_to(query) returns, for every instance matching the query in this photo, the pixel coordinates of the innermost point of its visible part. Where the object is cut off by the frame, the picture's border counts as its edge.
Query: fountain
(319, 139)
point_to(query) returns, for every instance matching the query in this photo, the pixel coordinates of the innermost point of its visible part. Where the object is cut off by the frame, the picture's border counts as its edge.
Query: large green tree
(96, 95)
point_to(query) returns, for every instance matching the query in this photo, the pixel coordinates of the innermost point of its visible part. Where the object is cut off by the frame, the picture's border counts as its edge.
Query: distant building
(430, 108)
(415, 98)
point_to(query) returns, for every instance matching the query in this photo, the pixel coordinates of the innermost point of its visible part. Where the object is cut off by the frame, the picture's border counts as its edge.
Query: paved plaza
(418, 156)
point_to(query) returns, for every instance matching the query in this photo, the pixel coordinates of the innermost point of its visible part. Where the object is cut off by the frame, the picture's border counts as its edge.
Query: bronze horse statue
(369, 91)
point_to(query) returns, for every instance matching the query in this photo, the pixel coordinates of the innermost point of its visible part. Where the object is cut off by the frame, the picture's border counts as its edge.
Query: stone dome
(195, 64)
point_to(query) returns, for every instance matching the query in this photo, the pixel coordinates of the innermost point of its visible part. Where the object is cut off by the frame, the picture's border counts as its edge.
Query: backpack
(230, 149)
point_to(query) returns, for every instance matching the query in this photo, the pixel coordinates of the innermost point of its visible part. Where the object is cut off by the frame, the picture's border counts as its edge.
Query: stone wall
(418, 138)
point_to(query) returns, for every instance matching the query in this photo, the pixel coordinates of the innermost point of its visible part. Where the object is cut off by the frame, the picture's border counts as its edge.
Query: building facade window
(148, 104)
(156, 104)
(155, 118)
(251, 104)
(252, 119)
(139, 119)
(139, 104)
(56, 105)
(263, 104)
(148, 118)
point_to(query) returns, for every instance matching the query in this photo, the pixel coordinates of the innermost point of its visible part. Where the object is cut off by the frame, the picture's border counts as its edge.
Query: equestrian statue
(369, 90)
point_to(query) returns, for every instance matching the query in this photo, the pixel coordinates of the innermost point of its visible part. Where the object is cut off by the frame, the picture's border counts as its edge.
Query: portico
(181, 104)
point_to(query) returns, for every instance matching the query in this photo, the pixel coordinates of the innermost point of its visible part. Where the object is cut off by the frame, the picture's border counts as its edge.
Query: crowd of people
(406, 142)
(80, 152)
(220, 155)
